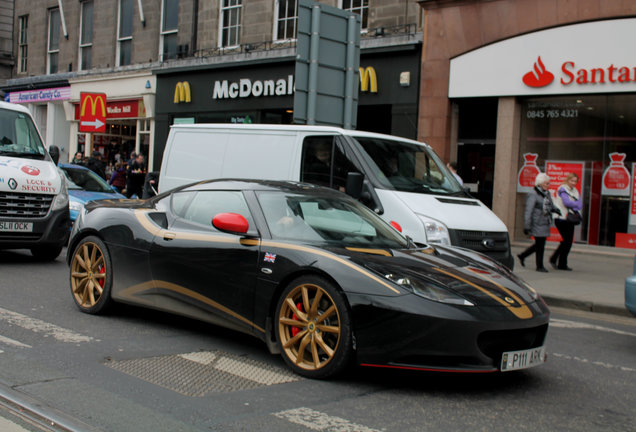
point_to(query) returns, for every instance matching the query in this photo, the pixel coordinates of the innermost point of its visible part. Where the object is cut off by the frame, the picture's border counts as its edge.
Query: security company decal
(30, 170)
(269, 257)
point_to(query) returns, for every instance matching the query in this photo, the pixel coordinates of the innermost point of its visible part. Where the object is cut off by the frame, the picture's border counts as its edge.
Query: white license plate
(16, 226)
(514, 360)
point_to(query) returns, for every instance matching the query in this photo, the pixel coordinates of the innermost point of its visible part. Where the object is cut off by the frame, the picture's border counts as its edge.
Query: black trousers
(560, 255)
(537, 248)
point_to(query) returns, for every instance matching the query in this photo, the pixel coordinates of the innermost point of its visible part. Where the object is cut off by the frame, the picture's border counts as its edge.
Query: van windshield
(18, 136)
(408, 167)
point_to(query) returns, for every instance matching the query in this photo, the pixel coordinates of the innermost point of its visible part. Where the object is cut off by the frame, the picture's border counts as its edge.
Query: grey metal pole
(349, 72)
(314, 52)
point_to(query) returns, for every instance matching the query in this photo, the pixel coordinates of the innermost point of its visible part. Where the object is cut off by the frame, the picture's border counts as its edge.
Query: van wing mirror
(231, 222)
(355, 180)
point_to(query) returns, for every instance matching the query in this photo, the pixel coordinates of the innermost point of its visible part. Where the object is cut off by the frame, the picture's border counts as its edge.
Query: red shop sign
(119, 109)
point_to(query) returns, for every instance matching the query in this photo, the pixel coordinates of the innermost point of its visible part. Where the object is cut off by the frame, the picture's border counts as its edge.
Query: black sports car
(313, 273)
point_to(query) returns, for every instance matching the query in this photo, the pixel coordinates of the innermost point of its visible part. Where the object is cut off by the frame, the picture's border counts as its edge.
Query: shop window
(169, 28)
(230, 28)
(361, 7)
(86, 35)
(23, 22)
(53, 43)
(124, 33)
(286, 20)
(586, 130)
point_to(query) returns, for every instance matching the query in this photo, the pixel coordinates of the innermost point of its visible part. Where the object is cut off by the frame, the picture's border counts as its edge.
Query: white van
(34, 211)
(404, 181)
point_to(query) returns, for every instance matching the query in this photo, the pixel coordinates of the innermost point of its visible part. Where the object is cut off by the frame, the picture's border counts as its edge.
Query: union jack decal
(269, 257)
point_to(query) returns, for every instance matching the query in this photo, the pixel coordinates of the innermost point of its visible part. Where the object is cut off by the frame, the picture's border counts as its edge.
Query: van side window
(324, 162)
(201, 206)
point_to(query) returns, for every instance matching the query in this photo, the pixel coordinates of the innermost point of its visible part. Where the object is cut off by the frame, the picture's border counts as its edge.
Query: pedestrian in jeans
(537, 219)
(569, 202)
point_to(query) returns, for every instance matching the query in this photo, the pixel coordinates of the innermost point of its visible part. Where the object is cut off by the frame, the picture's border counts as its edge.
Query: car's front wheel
(91, 275)
(314, 327)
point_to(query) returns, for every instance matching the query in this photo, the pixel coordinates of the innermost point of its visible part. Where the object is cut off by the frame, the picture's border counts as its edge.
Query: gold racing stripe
(521, 312)
(382, 252)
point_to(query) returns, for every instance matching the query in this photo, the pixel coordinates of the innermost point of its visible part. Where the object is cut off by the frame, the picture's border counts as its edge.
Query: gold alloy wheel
(88, 274)
(309, 327)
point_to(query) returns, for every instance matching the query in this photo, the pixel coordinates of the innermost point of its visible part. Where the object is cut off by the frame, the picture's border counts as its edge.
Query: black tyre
(313, 328)
(46, 253)
(91, 276)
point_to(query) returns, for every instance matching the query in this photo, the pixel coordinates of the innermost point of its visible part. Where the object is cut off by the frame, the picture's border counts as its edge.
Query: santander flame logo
(539, 76)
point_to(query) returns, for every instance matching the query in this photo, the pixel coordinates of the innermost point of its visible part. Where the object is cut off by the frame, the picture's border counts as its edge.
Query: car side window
(324, 162)
(201, 206)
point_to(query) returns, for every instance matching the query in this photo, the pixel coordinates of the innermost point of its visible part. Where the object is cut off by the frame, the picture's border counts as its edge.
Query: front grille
(481, 241)
(494, 343)
(24, 206)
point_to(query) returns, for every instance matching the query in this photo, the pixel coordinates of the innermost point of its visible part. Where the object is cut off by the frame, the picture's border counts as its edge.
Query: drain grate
(199, 373)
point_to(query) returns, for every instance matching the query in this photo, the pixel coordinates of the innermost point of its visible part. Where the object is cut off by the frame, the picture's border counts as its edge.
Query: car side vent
(456, 201)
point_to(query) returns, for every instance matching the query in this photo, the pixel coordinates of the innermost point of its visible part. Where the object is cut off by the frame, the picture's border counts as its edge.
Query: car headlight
(436, 232)
(74, 205)
(428, 290)
(61, 199)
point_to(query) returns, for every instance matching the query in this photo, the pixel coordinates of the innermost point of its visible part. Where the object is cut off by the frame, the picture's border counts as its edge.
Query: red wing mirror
(231, 222)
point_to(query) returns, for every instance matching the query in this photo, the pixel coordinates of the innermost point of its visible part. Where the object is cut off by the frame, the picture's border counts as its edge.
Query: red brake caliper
(102, 270)
(295, 330)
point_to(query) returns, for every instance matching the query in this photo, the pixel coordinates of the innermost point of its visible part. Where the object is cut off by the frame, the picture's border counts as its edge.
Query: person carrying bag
(570, 204)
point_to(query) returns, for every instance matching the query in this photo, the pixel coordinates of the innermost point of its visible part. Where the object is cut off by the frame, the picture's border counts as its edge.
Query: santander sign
(540, 76)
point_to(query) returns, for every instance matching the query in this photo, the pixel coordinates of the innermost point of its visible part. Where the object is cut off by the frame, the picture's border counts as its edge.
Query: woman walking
(570, 204)
(537, 219)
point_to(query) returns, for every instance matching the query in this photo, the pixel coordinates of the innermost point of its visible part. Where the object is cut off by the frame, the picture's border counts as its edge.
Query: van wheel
(46, 253)
(314, 328)
(91, 275)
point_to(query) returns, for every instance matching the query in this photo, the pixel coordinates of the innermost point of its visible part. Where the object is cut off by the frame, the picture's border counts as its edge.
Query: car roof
(260, 185)
(14, 107)
(68, 165)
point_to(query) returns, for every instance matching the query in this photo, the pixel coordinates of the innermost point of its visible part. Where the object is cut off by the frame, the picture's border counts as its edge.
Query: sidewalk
(596, 284)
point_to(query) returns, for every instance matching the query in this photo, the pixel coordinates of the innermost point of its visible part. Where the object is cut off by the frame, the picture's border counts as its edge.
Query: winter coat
(567, 198)
(538, 215)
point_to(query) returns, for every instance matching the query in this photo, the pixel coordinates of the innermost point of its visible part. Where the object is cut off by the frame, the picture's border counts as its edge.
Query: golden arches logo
(368, 80)
(94, 99)
(182, 92)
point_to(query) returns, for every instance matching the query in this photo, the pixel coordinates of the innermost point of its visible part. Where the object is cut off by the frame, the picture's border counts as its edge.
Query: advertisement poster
(628, 240)
(558, 171)
(616, 178)
(527, 173)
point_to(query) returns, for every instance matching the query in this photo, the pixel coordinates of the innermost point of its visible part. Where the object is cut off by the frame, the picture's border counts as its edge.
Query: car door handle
(169, 236)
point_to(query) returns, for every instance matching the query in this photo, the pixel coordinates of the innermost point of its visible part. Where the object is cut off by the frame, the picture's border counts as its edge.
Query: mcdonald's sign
(368, 80)
(92, 112)
(182, 92)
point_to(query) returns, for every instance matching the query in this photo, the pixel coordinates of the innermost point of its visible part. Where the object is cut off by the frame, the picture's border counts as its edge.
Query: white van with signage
(34, 211)
(405, 182)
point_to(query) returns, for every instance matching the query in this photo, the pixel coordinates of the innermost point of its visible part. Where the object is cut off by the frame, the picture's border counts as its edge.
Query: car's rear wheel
(314, 327)
(91, 275)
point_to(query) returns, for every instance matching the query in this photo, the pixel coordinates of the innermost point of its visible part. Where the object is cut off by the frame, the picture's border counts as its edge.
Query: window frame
(164, 33)
(23, 46)
(125, 39)
(362, 10)
(278, 21)
(53, 53)
(84, 46)
(223, 10)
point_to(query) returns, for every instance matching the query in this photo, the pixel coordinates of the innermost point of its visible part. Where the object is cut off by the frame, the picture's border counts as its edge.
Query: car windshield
(408, 167)
(325, 219)
(85, 179)
(18, 136)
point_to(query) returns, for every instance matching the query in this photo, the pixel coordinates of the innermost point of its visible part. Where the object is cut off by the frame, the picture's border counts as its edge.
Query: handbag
(574, 217)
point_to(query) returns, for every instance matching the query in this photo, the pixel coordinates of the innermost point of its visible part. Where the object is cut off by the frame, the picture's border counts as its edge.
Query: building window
(230, 23)
(23, 22)
(124, 32)
(286, 19)
(53, 46)
(361, 7)
(169, 28)
(86, 35)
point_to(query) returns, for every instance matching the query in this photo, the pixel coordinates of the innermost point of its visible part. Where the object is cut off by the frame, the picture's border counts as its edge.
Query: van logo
(539, 76)
(368, 80)
(30, 170)
(13, 184)
(182, 92)
(488, 243)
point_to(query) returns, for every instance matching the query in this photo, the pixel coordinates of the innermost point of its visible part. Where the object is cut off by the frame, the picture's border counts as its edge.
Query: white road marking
(203, 357)
(596, 363)
(8, 341)
(579, 325)
(320, 421)
(39, 326)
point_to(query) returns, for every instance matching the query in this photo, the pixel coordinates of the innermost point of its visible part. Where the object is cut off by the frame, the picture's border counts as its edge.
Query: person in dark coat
(135, 177)
(96, 165)
(538, 219)
(151, 184)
